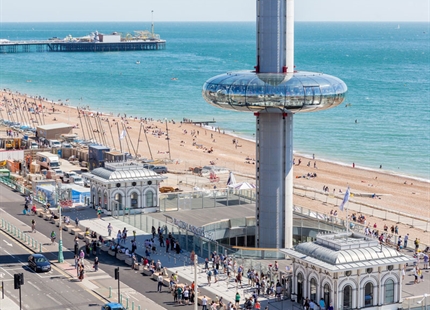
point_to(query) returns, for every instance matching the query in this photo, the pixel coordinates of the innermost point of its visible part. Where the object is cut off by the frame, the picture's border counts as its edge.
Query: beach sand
(393, 192)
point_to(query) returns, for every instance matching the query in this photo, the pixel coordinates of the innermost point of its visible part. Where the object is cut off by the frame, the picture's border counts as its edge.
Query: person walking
(53, 237)
(118, 237)
(81, 257)
(160, 282)
(96, 264)
(76, 222)
(33, 226)
(237, 299)
(109, 228)
(405, 241)
(204, 303)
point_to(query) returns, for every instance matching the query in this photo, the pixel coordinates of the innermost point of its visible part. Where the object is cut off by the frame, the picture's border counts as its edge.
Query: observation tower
(274, 91)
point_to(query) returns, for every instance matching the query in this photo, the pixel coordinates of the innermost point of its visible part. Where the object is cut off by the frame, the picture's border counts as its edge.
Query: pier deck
(61, 46)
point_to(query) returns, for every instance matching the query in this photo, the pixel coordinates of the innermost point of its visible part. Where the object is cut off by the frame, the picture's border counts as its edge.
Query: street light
(58, 196)
(168, 138)
(196, 292)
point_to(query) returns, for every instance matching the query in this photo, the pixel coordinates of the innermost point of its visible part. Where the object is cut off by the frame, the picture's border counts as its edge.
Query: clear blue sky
(208, 10)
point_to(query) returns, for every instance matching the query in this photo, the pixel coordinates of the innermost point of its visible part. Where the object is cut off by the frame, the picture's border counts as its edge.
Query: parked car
(148, 166)
(38, 262)
(113, 306)
(77, 179)
(160, 169)
(59, 172)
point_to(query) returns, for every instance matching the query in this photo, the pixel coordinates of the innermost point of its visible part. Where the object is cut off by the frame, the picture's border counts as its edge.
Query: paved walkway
(99, 282)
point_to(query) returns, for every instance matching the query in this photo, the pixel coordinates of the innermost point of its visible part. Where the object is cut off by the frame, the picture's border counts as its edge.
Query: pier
(63, 46)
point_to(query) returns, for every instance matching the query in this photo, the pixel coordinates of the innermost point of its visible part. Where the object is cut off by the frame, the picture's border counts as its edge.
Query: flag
(345, 200)
(123, 134)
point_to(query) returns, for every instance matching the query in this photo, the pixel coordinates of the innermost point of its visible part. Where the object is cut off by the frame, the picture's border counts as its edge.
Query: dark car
(39, 262)
(160, 169)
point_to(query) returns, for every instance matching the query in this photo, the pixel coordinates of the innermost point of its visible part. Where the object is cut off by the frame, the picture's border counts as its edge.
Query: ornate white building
(125, 186)
(349, 271)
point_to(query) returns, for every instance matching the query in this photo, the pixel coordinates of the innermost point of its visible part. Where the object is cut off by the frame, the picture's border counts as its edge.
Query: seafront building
(348, 271)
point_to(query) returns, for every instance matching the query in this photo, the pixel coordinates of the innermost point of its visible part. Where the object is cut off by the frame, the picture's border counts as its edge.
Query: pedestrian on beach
(33, 226)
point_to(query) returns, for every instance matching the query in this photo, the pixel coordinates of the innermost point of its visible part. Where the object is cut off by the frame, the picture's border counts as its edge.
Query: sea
(384, 122)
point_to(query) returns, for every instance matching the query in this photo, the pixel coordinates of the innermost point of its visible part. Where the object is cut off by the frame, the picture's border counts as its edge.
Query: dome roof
(133, 173)
(354, 255)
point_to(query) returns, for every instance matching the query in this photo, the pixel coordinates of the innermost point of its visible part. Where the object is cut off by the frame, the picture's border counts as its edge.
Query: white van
(47, 160)
(67, 176)
(54, 143)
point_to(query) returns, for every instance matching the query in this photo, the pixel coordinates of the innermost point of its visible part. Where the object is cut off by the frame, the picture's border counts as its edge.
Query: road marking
(50, 297)
(34, 285)
(9, 244)
(2, 275)
(9, 253)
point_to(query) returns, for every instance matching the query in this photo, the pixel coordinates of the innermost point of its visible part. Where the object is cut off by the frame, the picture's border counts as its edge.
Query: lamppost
(168, 138)
(196, 291)
(58, 196)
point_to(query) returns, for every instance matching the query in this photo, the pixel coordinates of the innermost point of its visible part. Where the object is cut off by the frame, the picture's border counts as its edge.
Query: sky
(207, 10)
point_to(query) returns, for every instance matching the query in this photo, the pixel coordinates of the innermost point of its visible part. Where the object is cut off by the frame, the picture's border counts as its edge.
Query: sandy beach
(193, 145)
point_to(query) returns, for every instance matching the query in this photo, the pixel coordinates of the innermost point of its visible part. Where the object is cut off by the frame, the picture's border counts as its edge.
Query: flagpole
(347, 223)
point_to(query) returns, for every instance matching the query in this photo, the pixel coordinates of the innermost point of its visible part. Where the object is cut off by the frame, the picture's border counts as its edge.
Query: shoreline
(185, 151)
(402, 174)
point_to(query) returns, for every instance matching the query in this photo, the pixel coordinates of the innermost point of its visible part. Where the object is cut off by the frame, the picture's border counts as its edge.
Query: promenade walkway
(99, 282)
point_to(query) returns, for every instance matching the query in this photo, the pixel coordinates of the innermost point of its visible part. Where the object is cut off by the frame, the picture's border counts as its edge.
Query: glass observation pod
(297, 92)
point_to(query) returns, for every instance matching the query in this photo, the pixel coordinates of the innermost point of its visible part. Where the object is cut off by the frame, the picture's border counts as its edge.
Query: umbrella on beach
(231, 179)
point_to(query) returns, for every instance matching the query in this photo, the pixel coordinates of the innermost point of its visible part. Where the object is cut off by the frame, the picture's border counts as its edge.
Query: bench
(68, 227)
(75, 231)
(121, 256)
(146, 271)
(81, 235)
(111, 252)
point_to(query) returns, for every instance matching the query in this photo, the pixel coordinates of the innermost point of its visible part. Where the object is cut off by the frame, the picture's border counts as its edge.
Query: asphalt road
(13, 203)
(48, 290)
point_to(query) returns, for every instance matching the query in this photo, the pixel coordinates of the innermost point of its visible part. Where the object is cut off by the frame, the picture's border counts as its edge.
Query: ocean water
(385, 65)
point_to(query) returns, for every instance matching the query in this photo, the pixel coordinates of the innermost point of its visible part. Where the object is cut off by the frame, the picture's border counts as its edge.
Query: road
(13, 203)
(49, 290)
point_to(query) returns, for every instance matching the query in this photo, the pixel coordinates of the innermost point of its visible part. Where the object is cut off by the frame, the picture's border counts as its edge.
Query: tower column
(274, 176)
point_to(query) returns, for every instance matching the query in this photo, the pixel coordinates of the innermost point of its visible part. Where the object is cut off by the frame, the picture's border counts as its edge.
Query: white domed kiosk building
(349, 271)
(125, 186)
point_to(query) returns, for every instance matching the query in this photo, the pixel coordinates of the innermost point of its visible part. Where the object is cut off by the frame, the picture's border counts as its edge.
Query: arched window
(133, 200)
(300, 287)
(368, 294)
(313, 293)
(105, 200)
(327, 294)
(99, 195)
(118, 200)
(149, 199)
(389, 291)
(347, 297)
